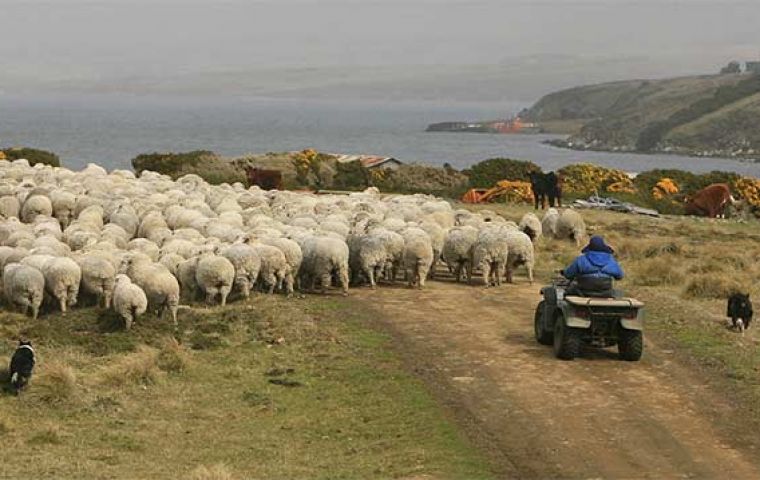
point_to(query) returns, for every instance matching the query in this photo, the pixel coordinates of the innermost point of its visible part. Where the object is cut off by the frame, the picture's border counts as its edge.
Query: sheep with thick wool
(521, 252)
(129, 300)
(160, 286)
(215, 276)
(456, 250)
(24, 287)
(490, 253)
(531, 226)
(570, 225)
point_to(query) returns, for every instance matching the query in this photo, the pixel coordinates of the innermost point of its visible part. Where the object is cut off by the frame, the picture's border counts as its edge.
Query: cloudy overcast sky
(118, 39)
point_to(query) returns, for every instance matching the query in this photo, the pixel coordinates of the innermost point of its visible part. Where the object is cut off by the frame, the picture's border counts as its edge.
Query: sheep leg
(422, 274)
(289, 285)
(500, 274)
(343, 274)
(224, 292)
(486, 268)
(62, 303)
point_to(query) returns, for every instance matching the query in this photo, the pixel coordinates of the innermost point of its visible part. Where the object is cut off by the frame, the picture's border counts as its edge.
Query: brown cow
(711, 201)
(265, 179)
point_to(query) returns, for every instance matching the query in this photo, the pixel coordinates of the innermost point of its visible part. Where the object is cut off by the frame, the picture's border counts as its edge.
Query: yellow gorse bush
(664, 188)
(749, 189)
(586, 178)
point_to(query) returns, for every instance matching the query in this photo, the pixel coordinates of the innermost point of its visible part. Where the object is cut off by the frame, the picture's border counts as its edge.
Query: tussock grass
(172, 356)
(137, 368)
(214, 472)
(708, 286)
(654, 272)
(55, 382)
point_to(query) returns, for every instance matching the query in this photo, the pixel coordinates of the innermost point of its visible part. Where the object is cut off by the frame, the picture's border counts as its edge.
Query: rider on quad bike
(592, 272)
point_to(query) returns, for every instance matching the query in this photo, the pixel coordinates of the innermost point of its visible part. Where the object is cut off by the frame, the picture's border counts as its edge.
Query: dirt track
(539, 417)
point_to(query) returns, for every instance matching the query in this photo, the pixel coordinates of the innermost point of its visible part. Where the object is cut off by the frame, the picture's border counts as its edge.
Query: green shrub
(420, 179)
(170, 162)
(34, 156)
(207, 165)
(486, 173)
(351, 176)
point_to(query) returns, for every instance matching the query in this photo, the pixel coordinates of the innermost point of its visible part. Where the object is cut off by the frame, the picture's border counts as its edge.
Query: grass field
(271, 388)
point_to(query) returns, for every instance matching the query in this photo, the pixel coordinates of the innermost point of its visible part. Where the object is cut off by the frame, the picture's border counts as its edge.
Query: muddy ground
(538, 417)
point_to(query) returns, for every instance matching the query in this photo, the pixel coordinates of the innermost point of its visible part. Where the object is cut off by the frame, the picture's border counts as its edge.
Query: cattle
(265, 179)
(546, 186)
(739, 310)
(710, 202)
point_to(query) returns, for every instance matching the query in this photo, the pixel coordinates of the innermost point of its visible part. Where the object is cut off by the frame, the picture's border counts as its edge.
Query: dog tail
(14, 379)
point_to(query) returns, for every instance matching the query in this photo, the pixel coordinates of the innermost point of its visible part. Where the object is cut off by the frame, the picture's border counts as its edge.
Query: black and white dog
(739, 310)
(22, 365)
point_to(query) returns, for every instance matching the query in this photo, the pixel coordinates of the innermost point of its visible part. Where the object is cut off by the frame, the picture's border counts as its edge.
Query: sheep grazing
(247, 265)
(62, 278)
(456, 250)
(35, 205)
(520, 253)
(24, 286)
(531, 226)
(98, 276)
(275, 271)
(367, 256)
(215, 275)
(324, 257)
(489, 253)
(129, 300)
(571, 225)
(160, 286)
(549, 223)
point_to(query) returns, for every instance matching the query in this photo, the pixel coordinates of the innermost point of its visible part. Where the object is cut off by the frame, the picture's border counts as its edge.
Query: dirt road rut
(538, 417)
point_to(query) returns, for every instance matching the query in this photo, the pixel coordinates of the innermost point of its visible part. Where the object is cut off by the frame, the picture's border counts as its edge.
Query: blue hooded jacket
(596, 261)
(594, 264)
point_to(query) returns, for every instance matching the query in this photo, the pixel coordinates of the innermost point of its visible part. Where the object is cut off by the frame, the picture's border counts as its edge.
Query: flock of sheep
(132, 243)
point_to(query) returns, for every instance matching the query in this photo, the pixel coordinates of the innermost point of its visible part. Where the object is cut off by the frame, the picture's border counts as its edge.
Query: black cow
(739, 310)
(546, 186)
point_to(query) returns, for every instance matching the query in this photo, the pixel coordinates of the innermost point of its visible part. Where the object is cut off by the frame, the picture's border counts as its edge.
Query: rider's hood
(598, 259)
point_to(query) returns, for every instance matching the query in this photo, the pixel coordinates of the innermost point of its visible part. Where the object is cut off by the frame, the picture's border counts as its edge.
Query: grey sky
(137, 45)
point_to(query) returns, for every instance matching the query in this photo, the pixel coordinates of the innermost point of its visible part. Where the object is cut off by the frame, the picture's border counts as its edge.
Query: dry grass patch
(172, 356)
(214, 472)
(654, 272)
(55, 383)
(138, 368)
(707, 286)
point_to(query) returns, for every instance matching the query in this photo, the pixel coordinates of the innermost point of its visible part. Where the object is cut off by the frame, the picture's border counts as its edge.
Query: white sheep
(571, 225)
(215, 275)
(160, 286)
(62, 278)
(520, 253)
(323, 257)
(531, 226)
(129, 300)
(275, 270)
(36, 205)
(489, 253)
(98, 276)
(549, 223)
(24, 286)
(247, 266)
(456, 249)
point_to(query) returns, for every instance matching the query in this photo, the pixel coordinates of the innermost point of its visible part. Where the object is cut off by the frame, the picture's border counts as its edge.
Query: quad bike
(568, 322)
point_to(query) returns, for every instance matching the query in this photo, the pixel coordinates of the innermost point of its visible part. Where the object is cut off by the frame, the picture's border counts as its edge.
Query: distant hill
(715, 115)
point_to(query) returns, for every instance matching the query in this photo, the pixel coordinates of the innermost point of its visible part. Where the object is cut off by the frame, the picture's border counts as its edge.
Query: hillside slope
(712, 114)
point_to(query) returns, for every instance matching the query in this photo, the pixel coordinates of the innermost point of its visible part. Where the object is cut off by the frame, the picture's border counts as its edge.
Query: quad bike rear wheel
(567, 340)
(630, 345)
(543, 336)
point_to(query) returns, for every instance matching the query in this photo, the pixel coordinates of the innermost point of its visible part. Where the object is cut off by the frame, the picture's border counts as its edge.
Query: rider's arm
(615, 271)
(572, 271)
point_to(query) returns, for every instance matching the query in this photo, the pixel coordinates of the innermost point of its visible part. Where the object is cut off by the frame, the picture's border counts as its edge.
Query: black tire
(543, 336)
(630, 345)
(567, 340)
